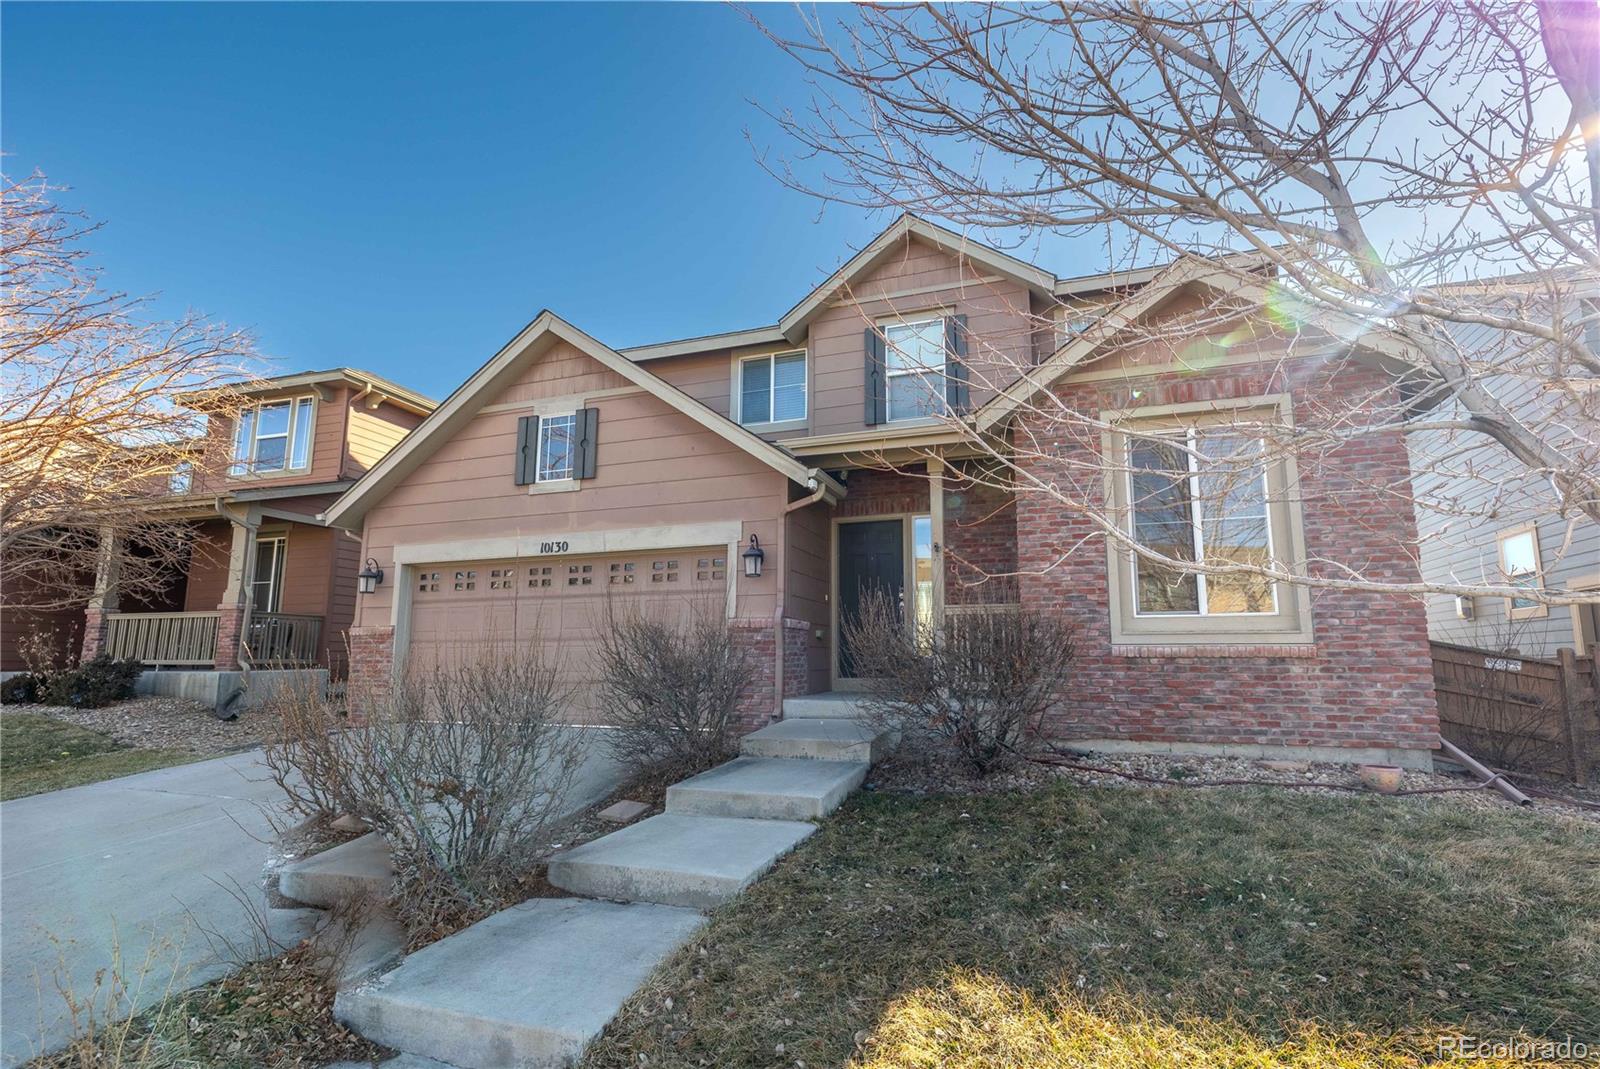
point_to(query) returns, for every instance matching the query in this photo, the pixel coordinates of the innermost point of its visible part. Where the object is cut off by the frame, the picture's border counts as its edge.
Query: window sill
(916, 421)
(257, 476)
(781, 425)
(1201, 649)
(562, 486)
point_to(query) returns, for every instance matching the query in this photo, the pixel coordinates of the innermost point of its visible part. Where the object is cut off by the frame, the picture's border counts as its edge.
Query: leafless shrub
(309, 758)
(980, 686)
(672, 687)
(462, 768)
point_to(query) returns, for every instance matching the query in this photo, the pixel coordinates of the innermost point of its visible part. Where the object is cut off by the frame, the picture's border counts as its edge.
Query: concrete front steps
(531, 986)
(834, 705)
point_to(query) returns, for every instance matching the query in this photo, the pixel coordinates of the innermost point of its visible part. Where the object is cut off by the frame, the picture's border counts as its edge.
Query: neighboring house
(564, 477)
(267, 582)
(1484, 519)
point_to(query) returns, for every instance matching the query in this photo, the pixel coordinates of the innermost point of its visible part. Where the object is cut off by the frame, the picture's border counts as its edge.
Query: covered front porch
(259, 590)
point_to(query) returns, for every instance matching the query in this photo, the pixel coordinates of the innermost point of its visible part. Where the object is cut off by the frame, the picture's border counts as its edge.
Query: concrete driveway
(145, 861)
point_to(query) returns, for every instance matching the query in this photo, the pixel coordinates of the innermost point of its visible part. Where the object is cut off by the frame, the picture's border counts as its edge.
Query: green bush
(21, 689)
(92, 684)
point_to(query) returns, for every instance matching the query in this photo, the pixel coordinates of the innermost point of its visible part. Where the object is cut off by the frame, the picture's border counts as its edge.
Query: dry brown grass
(1247, 928)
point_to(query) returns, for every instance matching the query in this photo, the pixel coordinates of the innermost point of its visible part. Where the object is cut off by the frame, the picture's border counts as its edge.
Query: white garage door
(460, 612)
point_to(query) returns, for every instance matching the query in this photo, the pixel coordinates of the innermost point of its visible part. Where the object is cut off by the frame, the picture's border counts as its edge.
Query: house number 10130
(552, 547)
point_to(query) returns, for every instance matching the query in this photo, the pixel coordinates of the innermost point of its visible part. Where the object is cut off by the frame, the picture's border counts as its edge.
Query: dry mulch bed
(157, 723)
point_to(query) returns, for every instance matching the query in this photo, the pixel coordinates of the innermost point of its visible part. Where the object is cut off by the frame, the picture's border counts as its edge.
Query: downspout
(819, 490)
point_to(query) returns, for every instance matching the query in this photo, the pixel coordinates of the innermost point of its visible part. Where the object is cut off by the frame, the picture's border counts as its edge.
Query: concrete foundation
(215, 688)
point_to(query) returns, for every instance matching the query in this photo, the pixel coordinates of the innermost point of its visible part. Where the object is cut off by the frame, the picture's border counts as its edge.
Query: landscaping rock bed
(915, 769)
(156, 723)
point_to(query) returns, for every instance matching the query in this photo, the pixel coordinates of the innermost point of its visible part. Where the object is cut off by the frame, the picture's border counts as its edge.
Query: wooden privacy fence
(1528, 714)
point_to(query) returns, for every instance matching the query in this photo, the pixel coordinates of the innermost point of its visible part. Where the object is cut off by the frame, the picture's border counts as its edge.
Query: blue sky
(401, 187)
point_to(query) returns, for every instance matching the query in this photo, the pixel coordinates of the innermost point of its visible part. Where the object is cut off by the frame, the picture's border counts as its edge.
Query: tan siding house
(267, 583)
(565, 479)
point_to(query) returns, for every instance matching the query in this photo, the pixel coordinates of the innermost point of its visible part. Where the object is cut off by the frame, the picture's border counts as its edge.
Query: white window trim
(279, 567)
(1538, 610)
(736, 406)
(917, 319)
(181, 482)
(1190, 437)
(245, 468)
(569, 481)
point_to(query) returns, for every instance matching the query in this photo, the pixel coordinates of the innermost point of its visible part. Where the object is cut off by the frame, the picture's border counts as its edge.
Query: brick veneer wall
(230, 628)
(1365, 681)
(980, 536)
(872, 492)
(371, 667)
(756, 702)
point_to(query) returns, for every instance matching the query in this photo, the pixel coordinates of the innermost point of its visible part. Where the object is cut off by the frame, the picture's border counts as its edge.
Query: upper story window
(1519, 564)
(1200, 497)
(181, 481)
(772, 389)
(556, 437)
(914, 369)
(274, 436)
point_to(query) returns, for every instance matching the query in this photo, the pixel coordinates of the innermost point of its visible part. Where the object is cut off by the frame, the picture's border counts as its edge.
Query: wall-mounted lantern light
(753, 558)
(369, 577)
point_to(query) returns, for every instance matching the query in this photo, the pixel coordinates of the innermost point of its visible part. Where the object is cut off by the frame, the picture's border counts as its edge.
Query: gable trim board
(1378, 346)
(529, 345)
(793, 323)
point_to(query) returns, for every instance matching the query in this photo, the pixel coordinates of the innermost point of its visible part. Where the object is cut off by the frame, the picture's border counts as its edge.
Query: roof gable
(1375, 345)
(531, 344)
(795, 320)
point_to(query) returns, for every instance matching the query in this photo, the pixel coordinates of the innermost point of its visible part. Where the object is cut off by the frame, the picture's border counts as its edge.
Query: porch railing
(284, 638)
(163, 637)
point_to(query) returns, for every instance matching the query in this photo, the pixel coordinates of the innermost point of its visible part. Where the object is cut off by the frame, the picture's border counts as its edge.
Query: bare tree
(90, 436)
(1404, 178)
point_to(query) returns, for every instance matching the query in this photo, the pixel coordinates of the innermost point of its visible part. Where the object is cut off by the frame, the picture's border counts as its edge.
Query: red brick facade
(1364, 681)
(371, 666)
(980, 536)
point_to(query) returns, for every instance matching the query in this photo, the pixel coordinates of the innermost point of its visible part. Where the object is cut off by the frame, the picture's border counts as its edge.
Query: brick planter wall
(1365, 681)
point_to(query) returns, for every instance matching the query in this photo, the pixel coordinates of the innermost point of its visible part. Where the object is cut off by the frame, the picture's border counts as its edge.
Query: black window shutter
(527, 449)
(876, 379)
(957, 395)
(588, 422)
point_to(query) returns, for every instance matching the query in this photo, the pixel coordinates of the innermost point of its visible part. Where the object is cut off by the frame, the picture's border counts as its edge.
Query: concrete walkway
(531, 986)
(142, 861)
(137, 861)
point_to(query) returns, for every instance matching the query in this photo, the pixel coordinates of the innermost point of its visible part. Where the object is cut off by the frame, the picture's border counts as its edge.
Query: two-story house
(781, 472)
(266, 583)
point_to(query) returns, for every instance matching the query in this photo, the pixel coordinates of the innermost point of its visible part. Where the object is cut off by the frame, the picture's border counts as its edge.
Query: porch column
(105, 596)
(936, 522)
(234, 621)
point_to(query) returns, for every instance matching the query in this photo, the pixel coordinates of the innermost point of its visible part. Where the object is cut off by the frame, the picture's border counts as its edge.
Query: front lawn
(1075, 926)
(38, 754)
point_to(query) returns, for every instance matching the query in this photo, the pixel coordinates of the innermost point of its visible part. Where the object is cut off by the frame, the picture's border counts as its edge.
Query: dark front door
(871, 558)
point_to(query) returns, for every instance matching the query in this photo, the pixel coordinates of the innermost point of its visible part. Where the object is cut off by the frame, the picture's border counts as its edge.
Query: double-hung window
(557, 435)
(273, 436)
(772, 389)
(1519, 565)
(914, 369)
